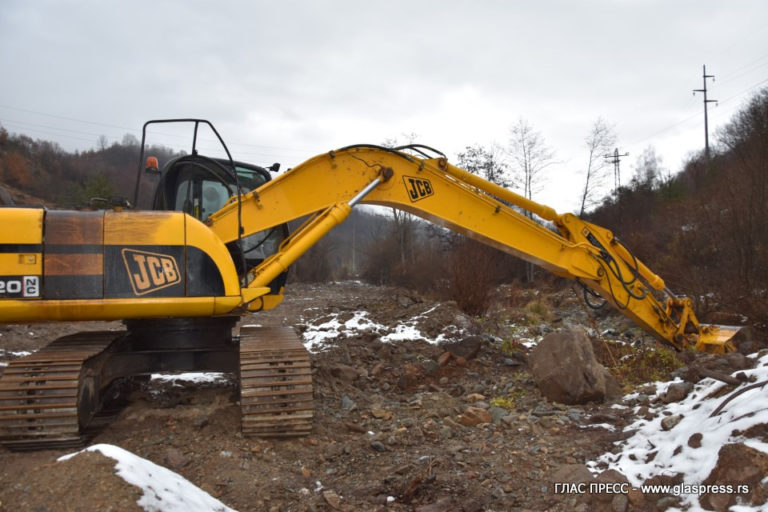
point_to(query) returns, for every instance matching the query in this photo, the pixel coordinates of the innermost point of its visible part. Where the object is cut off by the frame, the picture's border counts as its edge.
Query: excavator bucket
(719, 339)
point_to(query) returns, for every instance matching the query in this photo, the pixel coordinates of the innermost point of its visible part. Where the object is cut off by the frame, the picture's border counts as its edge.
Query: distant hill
(41, 171)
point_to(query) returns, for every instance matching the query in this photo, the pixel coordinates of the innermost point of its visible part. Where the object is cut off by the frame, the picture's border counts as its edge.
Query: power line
(64, 117)
(134, 131)
(745, 69)
(743, 92)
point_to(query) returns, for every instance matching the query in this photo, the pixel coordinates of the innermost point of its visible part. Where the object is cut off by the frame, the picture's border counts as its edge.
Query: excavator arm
(326, 187)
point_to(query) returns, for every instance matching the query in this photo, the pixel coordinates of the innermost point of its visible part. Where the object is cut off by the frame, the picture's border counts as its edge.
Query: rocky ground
(400, 424)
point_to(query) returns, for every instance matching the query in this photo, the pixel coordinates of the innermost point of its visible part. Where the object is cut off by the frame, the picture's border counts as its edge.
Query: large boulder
(564, 367)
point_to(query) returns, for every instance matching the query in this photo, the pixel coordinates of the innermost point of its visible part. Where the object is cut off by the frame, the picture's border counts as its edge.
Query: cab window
(200, 197)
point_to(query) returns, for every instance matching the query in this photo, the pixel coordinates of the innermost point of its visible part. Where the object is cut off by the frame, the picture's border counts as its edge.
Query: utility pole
(706, 121)
(614, 159)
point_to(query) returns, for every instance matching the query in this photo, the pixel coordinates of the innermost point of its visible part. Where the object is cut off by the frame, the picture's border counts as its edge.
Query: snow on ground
(317, 335)
(13, 354)
(191, 378)
(652, 451)
(164, 490)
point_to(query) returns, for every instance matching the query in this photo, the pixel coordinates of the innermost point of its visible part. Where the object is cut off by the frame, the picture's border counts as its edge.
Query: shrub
(634, 365)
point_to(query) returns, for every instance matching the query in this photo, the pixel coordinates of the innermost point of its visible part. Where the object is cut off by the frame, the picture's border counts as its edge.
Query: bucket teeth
(275, 383)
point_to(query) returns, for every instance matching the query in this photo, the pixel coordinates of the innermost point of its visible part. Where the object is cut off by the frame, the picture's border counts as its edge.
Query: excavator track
(275, 383)
(48, 399)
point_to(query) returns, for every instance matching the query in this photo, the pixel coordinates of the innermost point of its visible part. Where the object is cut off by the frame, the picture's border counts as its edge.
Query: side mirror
(152, 167)
(274, 167)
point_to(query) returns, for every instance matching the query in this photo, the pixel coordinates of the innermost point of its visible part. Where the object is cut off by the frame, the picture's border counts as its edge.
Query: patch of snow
(317, 335)
(606, 426)
(652, 451)
(14, 353)
(191, 377)
(529, 342)
(164, 490)
(403, 332)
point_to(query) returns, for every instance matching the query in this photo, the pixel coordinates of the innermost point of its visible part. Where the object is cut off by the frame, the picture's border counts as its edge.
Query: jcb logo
(418, 188)
(149, 271)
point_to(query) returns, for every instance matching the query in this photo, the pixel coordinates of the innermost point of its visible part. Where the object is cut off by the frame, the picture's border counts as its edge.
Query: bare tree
(530, 156)
(403, 222)
(487, 163)
(600, 139)
(648, 170)
(130, 140)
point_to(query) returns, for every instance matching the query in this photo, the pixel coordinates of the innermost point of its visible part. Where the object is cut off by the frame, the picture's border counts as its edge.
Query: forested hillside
(42, 169)
(703, 229)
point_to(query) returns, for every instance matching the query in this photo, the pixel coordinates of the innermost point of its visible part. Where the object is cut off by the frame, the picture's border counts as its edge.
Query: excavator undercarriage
(59, 396)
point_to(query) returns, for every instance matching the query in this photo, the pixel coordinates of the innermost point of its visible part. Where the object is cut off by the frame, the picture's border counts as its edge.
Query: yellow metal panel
(199, 235)
(18, 264)
(143, 228)
(267, 302)
(16, 311)
(21, 239)
(22, 225)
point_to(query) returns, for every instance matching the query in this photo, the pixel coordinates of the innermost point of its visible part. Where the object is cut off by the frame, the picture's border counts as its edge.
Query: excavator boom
(437, 191)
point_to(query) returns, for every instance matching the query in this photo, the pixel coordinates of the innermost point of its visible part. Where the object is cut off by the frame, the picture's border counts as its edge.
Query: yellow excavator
(215, 246)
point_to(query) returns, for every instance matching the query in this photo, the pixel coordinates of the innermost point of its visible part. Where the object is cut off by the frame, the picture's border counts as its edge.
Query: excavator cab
(199, 186)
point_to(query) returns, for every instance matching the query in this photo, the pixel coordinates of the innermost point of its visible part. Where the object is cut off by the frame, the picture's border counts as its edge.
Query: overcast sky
(285, 80)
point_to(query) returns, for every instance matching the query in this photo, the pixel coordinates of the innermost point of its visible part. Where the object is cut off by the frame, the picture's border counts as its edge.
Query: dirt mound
(86, 482)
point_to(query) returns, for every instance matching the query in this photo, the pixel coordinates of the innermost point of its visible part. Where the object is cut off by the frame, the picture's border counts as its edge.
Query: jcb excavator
(215, 247)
